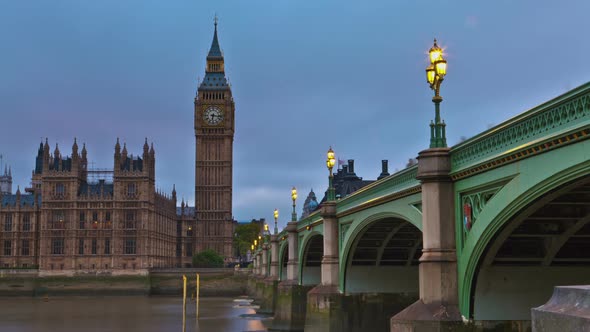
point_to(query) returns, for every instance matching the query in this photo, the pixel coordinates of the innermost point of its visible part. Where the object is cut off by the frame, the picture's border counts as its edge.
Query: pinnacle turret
(75, 148)
(56, 153)
(124, 153)
(84, 152)
(46, 147)
(145, 148)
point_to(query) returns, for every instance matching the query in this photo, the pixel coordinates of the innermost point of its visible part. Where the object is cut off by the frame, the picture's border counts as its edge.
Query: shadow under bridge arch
(544, 245)
(383, 258)
(311, 260)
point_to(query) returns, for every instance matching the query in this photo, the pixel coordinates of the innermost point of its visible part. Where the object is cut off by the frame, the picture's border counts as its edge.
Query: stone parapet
(567, 310)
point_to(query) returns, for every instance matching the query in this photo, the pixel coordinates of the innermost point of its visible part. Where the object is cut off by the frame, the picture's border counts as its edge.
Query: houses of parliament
(75, 219)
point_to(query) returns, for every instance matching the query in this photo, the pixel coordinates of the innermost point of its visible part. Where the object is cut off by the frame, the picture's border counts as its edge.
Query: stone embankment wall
(213, 282)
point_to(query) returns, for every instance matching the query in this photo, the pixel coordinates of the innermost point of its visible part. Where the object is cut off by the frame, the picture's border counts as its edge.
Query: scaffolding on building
(96, 175)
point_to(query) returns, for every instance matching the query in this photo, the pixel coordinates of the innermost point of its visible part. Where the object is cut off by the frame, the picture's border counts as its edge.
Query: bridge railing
(374, 193)
(379, 190)
(558, 116)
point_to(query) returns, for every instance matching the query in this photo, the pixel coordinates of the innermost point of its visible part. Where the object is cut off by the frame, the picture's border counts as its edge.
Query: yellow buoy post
(183, 302)
(198, 287)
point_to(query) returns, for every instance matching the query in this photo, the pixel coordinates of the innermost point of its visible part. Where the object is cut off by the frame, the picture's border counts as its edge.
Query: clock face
(213, 115)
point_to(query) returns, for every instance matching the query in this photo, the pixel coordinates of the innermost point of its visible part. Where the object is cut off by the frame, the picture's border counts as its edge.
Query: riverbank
(213, 282)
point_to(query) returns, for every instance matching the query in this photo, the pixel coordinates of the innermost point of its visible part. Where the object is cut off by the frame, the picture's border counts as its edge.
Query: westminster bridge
(472, 237)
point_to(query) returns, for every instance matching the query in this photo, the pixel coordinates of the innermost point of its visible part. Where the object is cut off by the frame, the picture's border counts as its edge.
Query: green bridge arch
(528, 181)
(357, 223)
(303, 246)
(283, 251)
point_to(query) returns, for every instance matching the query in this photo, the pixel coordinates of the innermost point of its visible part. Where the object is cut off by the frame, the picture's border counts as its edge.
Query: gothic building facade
(74, 220)
(68, 222)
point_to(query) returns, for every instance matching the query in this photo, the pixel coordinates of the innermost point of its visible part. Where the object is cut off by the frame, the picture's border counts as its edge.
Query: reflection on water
(130, 314)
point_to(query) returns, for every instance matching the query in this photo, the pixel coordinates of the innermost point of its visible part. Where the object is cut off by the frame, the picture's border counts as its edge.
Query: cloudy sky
(305, 75)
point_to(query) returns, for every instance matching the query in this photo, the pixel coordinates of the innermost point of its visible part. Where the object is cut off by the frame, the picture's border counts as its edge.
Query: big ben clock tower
(214, 133)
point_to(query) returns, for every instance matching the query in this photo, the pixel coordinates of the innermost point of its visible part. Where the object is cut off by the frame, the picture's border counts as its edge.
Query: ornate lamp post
(435, 74)
(276, 215)
(294, 197)
(330, 162)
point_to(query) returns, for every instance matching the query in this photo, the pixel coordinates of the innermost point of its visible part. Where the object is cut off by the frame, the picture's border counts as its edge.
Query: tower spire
(215, 50)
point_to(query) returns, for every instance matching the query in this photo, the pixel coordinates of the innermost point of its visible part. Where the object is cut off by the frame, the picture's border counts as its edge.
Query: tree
(207, 258)
(244, 237)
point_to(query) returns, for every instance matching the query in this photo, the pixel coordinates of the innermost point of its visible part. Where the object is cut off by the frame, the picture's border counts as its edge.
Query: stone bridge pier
(270, 277)
(291, 297)
(438, 306)
(325, 310)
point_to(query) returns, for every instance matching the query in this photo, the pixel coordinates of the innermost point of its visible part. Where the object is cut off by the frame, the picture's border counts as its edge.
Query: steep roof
(25, 200)
(214, 81)
(215, 50)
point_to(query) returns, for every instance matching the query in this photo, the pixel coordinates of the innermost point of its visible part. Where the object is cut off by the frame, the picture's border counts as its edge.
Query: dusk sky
(305, 75)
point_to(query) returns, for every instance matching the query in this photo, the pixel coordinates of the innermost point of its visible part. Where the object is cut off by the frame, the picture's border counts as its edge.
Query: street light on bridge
(435, 74)
(330, 162)
(276, 215)
(294, 197)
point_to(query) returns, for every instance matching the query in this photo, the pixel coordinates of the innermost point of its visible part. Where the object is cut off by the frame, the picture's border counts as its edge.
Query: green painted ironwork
(532, 178)
(395, 183)
(401, 209)
(477, 201)
(438, 136)
(308, 221)
(571, 109)
(282, 247)
(304, 239)
(344, 226)
(331, 190)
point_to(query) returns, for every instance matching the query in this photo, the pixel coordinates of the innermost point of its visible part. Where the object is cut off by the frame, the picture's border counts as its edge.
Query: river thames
(130, 314)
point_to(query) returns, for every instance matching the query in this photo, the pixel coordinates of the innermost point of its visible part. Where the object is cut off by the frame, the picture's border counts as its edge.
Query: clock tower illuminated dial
(213, 115)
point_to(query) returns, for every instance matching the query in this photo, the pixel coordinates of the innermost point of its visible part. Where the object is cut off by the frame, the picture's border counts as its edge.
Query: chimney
(384, 171)
(344, 169)
(351, 166)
